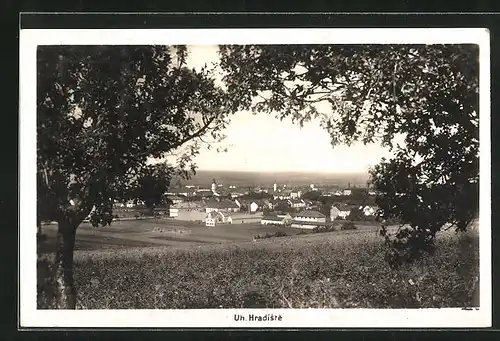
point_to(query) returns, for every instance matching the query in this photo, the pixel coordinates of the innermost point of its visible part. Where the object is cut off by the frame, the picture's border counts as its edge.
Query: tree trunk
(38, 227)
(65, 290)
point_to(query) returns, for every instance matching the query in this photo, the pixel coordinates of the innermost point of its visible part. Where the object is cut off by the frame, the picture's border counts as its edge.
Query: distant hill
(268, 178)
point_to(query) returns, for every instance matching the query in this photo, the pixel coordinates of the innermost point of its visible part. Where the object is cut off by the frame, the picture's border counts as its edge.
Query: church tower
(214, 186)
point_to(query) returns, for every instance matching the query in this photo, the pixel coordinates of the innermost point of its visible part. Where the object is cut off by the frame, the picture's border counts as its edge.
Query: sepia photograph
(255, 178)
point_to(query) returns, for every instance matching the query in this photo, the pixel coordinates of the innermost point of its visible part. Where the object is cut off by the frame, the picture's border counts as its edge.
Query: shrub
(270, 235)
(349, 226)
(323, 229)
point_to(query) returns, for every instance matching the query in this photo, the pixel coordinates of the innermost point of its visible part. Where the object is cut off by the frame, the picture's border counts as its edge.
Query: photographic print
(255, 178)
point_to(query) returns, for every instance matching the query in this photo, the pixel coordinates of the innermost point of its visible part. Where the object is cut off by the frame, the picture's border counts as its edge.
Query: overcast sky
(263, 143)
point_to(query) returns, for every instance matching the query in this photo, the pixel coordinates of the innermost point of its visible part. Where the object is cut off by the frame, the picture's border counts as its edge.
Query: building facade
(309, 220)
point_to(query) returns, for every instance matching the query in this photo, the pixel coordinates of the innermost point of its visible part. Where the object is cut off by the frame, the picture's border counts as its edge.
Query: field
(172, 265)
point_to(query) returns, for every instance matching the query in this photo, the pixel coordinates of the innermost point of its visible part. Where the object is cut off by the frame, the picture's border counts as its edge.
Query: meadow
(340, 269)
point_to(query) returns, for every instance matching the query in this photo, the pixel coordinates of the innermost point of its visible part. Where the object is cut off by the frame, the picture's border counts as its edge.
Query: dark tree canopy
(423, 95)
(103, 114)
(104, 111)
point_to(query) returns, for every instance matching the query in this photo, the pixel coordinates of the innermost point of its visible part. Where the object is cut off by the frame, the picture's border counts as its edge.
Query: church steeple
(214, 188)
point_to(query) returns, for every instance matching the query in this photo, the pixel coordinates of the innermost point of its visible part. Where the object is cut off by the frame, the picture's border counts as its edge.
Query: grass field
(173, 265)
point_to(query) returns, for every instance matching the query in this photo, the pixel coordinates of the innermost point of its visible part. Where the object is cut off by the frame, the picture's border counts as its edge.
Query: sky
(263, 143)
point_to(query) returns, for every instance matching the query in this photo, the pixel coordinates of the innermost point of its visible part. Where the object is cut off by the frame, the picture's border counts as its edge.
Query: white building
(272, 220)
(222, 206)
(309, 219)
(215, 218)
(344, 211)
(173, 212)
(296, 203)
(334, 213)
(176, 199)
(369, 210)
(252, 205)
(283, 195)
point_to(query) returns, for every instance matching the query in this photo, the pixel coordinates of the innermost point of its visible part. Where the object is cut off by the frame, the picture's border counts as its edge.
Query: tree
(424, 95)
(314, 195)
(104, 115)
(152, 186)
(355, 214)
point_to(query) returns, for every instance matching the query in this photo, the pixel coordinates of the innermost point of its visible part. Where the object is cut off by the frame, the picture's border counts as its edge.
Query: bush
(323, 229)
(271, 235)
(349, 226)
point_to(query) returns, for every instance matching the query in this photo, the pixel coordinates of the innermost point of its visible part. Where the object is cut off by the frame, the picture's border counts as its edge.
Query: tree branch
(199, 133)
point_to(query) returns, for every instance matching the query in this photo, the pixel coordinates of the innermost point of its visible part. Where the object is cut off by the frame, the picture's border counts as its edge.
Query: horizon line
(282, 171)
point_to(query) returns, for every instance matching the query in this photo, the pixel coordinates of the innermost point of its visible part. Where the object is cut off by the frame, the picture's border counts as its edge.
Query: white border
(292, 318)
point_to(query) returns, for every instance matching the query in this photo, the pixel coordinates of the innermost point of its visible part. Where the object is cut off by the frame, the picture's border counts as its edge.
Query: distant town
(306, 207)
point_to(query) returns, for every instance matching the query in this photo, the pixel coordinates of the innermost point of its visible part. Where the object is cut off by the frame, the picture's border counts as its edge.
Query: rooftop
(308, 222)
(272, 217)
(310, 214)
(222, 204)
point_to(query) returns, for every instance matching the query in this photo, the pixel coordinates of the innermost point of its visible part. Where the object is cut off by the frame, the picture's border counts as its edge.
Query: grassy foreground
(331, 270)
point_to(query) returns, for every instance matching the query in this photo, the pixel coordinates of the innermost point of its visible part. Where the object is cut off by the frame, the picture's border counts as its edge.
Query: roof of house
(296, 201)
(310, 214)
(344, 207)
(272, 217)
(247, 202)
(300, 222)
(212, 214)
(222, 204)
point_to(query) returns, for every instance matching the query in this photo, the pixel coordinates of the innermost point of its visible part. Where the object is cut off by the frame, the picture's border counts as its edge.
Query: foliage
(425, 95)
(356, 214)
(152, 186)
(105, 114)
(340, 271)
(322, 229)
(271, 235)
(312, 195)
(103, 111)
